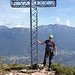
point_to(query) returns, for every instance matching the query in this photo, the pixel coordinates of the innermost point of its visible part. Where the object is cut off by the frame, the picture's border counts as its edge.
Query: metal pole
(34, 32)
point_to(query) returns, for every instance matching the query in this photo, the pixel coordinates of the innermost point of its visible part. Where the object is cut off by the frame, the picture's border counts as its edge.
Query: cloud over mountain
(67, 22)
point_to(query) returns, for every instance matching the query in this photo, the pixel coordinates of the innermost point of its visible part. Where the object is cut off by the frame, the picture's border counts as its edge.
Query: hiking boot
(49, 69)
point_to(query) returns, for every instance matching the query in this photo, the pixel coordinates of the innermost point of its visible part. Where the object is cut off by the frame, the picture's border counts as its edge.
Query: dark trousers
(50, 55)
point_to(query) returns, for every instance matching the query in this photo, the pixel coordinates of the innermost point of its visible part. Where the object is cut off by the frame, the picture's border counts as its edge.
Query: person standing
(50, 50)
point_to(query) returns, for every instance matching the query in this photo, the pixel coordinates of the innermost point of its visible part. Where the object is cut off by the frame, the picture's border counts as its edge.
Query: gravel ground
(32, 72)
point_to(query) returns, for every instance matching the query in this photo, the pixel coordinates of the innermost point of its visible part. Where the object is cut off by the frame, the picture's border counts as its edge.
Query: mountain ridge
(62, 35)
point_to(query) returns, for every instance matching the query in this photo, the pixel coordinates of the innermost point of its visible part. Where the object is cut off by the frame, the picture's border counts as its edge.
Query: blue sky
(63, 13)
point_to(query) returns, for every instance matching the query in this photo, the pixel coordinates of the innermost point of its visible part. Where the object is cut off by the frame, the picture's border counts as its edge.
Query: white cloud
(58, 21)
(19, 25)
(22, 25)
(67, 22)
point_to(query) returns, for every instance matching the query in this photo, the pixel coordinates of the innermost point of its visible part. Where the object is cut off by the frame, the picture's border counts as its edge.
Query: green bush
(63, 70)
(12, 66)
(1, 60)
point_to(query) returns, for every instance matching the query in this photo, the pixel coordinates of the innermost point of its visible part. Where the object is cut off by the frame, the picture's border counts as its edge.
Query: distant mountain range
(16, 41)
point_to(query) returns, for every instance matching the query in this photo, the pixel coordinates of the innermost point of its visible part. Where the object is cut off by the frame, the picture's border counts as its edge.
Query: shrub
(63, 70)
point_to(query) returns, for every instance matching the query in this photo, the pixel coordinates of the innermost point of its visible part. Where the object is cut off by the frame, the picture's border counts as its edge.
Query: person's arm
(55, 50)
(40, 42)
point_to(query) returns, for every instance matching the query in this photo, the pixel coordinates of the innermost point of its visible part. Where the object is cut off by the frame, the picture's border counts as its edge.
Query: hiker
(50, 50)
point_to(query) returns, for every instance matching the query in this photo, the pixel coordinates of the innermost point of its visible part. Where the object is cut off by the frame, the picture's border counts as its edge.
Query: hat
(51, 36)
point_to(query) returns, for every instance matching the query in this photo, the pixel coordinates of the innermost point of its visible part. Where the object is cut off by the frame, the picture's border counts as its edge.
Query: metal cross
(33, 4)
